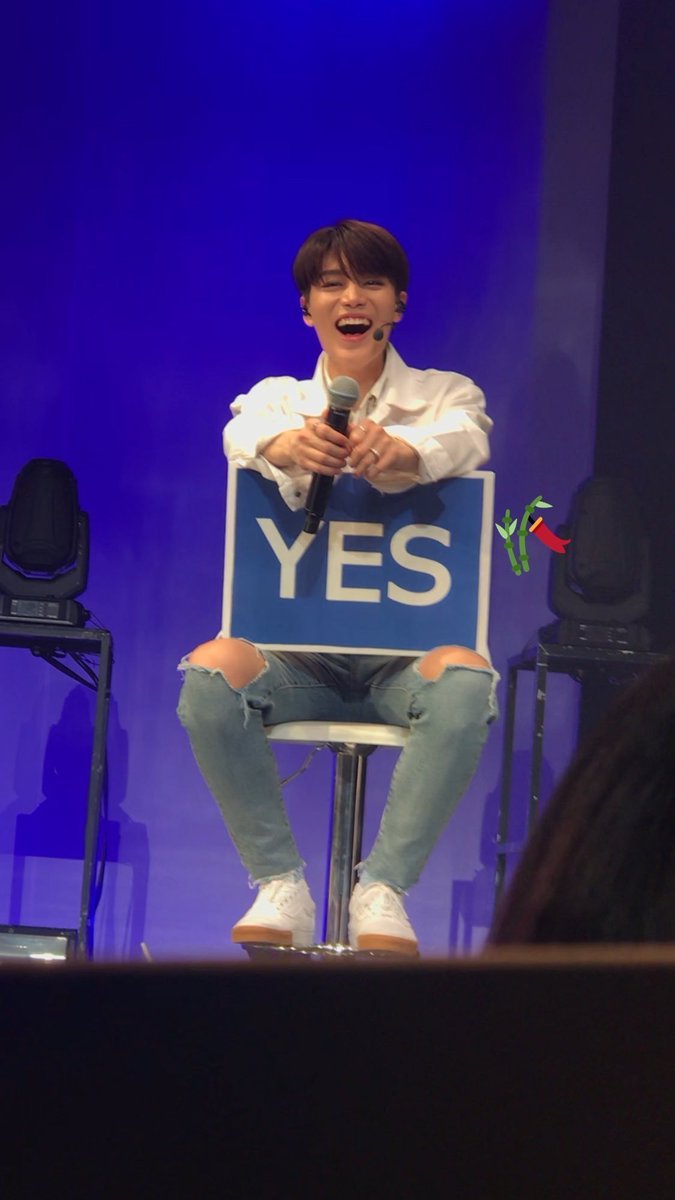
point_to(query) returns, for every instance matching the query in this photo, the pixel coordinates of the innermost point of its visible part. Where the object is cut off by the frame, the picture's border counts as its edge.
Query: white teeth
(346, 321)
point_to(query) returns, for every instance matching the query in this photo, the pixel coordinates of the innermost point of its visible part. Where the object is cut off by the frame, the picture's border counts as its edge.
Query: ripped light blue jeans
(447, 718)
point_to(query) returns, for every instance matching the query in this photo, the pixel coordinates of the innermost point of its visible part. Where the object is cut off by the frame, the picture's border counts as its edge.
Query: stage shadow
(473, 900)
(55, 829)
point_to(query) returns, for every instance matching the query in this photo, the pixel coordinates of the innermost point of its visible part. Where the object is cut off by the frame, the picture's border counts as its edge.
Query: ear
(401, 305)
(306, 315)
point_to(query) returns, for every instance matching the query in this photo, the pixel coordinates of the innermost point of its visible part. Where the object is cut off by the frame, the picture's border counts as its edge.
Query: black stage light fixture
(600, 588)
(44, 547)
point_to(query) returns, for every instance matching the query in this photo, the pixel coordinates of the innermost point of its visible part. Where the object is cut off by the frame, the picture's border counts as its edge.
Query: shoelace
(277, 891)
(385, 902)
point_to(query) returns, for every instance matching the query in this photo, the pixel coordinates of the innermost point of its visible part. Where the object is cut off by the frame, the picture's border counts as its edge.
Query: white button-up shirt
(441, 414)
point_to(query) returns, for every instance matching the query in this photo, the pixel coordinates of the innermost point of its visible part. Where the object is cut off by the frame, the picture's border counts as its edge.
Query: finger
(321, 464)
(359, 458)
(324, 456)
(333, 436)
(371, 461)
(318, 427)
(319, 438)
(360, 438)
(357, 435)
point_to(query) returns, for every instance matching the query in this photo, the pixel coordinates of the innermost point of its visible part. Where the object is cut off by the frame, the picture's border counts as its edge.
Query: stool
(578, 662)
(351, 744)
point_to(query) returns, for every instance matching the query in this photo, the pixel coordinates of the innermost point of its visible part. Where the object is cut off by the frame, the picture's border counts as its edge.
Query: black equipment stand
(47, 641)
(579, 662)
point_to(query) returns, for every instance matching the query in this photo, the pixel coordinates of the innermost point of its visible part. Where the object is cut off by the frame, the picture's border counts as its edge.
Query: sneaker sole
(394, 945)
(262, 933)
(269, 936)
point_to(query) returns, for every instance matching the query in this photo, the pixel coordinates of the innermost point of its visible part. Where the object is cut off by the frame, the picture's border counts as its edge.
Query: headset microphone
(379, 333)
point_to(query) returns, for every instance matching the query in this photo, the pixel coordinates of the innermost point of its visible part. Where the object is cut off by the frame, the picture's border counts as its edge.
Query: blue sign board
(385, 574)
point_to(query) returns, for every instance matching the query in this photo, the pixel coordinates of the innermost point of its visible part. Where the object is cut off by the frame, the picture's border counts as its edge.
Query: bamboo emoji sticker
(529, 524)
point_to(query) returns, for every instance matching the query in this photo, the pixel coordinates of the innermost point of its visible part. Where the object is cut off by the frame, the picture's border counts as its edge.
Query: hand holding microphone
(375, 452)
(343, 394)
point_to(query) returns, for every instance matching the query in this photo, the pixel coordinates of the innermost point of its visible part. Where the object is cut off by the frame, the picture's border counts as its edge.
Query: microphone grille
(343, 392)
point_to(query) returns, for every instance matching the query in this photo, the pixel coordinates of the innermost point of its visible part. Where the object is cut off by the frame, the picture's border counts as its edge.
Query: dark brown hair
(600, 864)
(360, 248)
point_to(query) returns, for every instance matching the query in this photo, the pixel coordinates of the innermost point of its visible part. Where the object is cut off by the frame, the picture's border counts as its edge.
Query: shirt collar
(392, 364)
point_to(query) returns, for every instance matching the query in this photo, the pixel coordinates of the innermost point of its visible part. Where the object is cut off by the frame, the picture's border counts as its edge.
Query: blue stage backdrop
(161, 164)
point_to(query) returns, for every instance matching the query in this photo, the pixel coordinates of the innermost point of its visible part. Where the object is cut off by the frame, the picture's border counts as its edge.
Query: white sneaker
(378, 921)
(283, 914)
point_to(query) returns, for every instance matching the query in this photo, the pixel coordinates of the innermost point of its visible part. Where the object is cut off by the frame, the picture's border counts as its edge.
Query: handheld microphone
(343, 394)
(379, 333)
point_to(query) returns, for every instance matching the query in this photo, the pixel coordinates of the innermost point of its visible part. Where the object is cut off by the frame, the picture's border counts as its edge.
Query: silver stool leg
(344, 839)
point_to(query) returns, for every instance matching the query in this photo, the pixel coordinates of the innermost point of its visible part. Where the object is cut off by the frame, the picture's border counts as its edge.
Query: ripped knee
(238, 661)
(435, 661)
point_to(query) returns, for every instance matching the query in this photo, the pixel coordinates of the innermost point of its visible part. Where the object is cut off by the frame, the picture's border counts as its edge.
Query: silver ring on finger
(375, 452)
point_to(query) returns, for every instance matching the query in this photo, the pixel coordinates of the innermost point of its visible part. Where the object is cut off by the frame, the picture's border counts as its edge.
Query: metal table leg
(505, 799)
(541, 679)
(96, 780)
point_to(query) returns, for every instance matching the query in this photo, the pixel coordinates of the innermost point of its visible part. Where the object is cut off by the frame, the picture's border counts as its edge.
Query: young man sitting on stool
(409, 427)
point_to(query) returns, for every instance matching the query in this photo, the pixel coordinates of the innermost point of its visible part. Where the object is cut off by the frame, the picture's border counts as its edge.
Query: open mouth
(353, 328)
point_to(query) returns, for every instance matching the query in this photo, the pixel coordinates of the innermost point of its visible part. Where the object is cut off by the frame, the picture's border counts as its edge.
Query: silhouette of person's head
(600, 865)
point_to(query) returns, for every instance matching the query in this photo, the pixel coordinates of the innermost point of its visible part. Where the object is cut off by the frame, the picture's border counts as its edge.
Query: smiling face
(346, 310)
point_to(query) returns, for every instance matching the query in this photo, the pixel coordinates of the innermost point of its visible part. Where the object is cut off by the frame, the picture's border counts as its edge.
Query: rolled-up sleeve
(272, 407)
(453, 446)
(446, 423)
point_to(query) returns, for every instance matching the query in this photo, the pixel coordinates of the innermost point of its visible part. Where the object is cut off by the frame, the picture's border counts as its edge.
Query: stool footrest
(336, 951)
